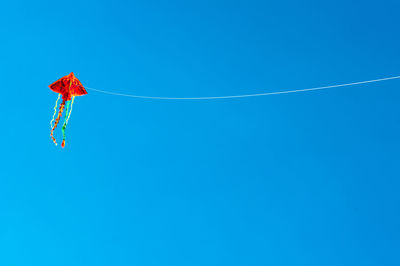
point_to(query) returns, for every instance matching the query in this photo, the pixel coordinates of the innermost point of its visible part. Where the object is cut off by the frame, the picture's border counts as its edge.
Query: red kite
(68, 87)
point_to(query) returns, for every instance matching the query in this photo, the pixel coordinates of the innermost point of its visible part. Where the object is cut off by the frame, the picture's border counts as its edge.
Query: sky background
(300, 179)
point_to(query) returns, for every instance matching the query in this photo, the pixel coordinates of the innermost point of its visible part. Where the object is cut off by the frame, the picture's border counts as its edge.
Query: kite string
(244, 95)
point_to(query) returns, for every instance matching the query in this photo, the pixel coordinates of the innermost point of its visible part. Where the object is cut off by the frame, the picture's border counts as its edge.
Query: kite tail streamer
(55, 111)
(65, 123)
(57, 121)
(72, 104)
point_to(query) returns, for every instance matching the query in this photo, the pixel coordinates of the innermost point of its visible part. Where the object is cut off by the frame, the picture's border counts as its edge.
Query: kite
(68, 88)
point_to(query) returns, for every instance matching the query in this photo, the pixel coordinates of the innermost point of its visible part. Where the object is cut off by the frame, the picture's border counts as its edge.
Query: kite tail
(65, 123)
(72, 104)
(57, 121)
(55, 111)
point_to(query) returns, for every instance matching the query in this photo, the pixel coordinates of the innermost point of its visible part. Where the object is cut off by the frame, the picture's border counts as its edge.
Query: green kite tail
(65, 123)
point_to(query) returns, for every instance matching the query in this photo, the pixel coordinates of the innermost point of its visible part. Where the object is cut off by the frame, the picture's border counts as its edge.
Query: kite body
(68, 88)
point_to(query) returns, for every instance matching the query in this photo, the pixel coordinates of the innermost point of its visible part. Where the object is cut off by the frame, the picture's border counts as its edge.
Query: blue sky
(300, 179)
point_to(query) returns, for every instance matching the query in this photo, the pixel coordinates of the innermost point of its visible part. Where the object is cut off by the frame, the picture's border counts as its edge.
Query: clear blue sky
(301, 179)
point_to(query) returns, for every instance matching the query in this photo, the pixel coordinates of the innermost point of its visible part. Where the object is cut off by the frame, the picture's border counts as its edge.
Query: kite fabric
(68, 88)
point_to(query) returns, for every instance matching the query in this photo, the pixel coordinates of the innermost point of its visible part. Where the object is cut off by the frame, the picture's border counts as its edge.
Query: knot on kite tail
(57, 121)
